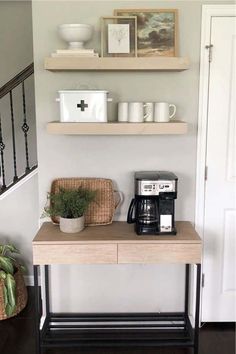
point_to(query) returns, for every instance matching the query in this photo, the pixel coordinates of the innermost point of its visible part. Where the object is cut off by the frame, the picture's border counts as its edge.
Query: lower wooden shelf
(176, 127)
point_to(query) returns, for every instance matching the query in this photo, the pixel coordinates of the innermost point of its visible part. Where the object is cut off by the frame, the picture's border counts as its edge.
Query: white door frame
(208, 11)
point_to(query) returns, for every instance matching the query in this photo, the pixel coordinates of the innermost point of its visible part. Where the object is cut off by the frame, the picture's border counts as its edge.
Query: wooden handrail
(15, 81)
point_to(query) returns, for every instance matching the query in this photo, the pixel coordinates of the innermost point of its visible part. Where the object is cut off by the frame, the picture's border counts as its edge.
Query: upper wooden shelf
(118, 64)
(175, 127)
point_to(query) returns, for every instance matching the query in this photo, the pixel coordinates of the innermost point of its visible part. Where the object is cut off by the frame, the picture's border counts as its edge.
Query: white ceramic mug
(136, 112)
(162, 112)
(123, 111)
(149, 111)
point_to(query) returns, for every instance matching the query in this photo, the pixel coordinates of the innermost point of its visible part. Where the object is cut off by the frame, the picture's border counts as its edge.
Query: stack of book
(75, 53)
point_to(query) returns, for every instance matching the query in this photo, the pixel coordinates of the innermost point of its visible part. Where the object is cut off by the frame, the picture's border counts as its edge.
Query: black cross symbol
(82, 105)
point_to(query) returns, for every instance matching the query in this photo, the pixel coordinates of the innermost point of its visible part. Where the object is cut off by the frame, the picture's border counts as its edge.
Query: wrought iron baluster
(5, 90)
(15, 178)
(2, 147)
(25, 129)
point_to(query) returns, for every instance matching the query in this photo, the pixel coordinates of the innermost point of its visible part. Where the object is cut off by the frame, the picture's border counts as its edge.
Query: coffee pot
(145, 211)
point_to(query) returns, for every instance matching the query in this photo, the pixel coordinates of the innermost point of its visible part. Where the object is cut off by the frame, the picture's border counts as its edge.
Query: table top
(118, 232)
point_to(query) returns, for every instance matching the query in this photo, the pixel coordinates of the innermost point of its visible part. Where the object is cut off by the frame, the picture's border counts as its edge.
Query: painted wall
(15, 38)
(19, 210)
(105, 288)
(19, 219)
(116, 157)
(16, 53)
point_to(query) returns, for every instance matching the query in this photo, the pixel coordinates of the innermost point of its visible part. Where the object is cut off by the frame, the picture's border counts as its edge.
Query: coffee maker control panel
(166, 186)
(154, 187)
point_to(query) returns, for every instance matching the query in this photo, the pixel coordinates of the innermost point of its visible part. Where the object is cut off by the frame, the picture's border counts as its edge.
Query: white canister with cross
(83, 106)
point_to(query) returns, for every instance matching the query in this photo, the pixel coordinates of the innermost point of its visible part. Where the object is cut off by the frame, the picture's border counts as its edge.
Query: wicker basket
(101, 211)
(21, 296)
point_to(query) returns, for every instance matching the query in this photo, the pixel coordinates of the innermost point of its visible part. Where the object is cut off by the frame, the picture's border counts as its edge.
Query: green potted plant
(70, 206)
(13, 293)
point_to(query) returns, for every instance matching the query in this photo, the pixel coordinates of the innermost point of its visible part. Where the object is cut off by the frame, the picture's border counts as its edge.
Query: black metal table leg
(38, 308)
(198, 287)
(188, 326)
(186, 290)
(47, 304)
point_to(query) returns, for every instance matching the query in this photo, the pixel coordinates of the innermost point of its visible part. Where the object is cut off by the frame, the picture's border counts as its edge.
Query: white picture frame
(123, 45)
(118, 38)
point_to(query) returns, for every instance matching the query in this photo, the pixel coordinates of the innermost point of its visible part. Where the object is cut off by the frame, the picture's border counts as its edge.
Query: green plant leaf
(11, 258)
(2, 275)
(70, 203)
(11, 289)
(10, 248)
(22, 267)
(9, 309)
(5, 296)
(6, 265)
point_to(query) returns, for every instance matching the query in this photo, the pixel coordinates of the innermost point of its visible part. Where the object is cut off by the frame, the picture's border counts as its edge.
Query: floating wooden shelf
(176, 127)
(118, 64)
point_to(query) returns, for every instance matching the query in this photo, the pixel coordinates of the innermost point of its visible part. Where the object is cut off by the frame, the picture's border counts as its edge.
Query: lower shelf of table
(117, 329)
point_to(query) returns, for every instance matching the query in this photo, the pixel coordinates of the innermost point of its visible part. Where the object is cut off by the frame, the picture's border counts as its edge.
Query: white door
(219, 229)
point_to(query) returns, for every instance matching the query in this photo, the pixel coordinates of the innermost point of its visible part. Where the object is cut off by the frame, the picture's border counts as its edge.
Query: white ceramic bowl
(75, 34)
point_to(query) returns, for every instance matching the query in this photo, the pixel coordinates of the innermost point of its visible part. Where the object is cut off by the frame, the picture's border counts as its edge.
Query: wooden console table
(115, 244)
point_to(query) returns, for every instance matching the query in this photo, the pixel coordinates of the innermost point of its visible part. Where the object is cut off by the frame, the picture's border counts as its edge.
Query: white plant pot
(72, 225)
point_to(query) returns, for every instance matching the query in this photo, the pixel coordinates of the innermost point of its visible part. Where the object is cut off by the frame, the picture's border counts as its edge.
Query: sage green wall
(117, 157)
(18, 210)
(15, 38)
(16, 53)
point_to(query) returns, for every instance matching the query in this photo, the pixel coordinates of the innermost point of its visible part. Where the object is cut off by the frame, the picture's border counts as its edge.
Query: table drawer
(159, 253)
(71, 254)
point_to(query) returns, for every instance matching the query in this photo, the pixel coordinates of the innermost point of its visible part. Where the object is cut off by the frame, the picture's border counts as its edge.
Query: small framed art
(157, 31)
(119, 36)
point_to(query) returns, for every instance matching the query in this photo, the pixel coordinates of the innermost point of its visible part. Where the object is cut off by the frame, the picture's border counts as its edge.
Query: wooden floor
(17, 337)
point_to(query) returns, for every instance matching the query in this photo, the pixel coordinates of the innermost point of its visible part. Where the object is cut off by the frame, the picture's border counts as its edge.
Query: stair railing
(7, 89)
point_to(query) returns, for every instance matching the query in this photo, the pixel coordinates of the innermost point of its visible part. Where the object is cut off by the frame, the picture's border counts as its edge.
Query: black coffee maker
(153, 210)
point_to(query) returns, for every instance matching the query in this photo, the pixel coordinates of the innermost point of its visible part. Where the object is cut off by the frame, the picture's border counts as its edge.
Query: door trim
(208, 11)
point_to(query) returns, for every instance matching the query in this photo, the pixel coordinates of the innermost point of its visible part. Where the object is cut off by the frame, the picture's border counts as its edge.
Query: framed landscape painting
(157, 31)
